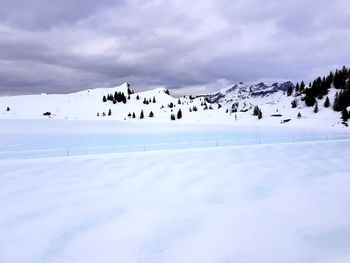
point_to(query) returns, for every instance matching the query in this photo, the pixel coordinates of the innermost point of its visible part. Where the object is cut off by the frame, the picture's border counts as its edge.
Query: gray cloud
(72, 45)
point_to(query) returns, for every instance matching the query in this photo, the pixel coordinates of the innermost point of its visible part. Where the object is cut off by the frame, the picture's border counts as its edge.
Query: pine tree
(151, 115)
(129, 90)
(179, 101)
(309, 98)
(104, 99)
(345, 115)
(336, 102)
(299, 115)
(8, 109)
(154, 99)
(129, 115)
(98, 114)
(256, 111)
(326, 103)
(316, 108)
(141, 115)
(194, 108)
(109, 112)
(179, 114)
(123, 98)
(290, 91)
(172, 117)
(137, 97)
(259, 114)
(294, 103)
(133, 115)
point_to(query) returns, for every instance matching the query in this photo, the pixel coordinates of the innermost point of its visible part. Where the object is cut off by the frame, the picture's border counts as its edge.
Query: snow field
(283, 202)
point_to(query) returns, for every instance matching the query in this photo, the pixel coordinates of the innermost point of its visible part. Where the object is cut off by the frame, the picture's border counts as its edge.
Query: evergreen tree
(299, 115)
(179, 101)
(336, 101)
(98, 114)
(309, 98)
(194, 108)
(294, 103)
(104, 99)
(326, 103)
(167, 91)
(8, 109)
(290, 91)
(123, 98)
(345, 115)
(302, 86)
(256, 111)
(172, 117)
(151, 115)
(133, 115)
(141, 115)
(179, 114)
(190, 109)
(154, 99)
(137, 97)
(109, 112)
(316, 108)
(297, 88)
(129, 89)
(129, 115)
(259, 114)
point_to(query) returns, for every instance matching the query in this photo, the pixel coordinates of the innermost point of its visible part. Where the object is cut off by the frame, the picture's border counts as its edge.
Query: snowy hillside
(89, 105)
(234, 105)
(275, 105)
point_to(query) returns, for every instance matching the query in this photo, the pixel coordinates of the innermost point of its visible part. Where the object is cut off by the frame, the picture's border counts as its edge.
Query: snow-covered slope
(87, 104)
(275, 105)
(233, 105)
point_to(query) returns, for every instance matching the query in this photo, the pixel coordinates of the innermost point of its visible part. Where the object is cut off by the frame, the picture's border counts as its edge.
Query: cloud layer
(65, 46)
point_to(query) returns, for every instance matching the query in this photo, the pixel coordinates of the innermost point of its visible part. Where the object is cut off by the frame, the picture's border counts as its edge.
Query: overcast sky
(69, 45)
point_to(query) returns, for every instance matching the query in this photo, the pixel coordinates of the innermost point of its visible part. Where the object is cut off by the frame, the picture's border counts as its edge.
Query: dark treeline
(117, 97)
(317, 89)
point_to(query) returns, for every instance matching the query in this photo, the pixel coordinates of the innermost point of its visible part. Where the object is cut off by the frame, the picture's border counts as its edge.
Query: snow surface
(279, 201)
(85, 105)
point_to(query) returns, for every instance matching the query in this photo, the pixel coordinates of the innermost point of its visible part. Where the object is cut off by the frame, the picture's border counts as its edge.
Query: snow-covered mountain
(242, 91)
(233, 105)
